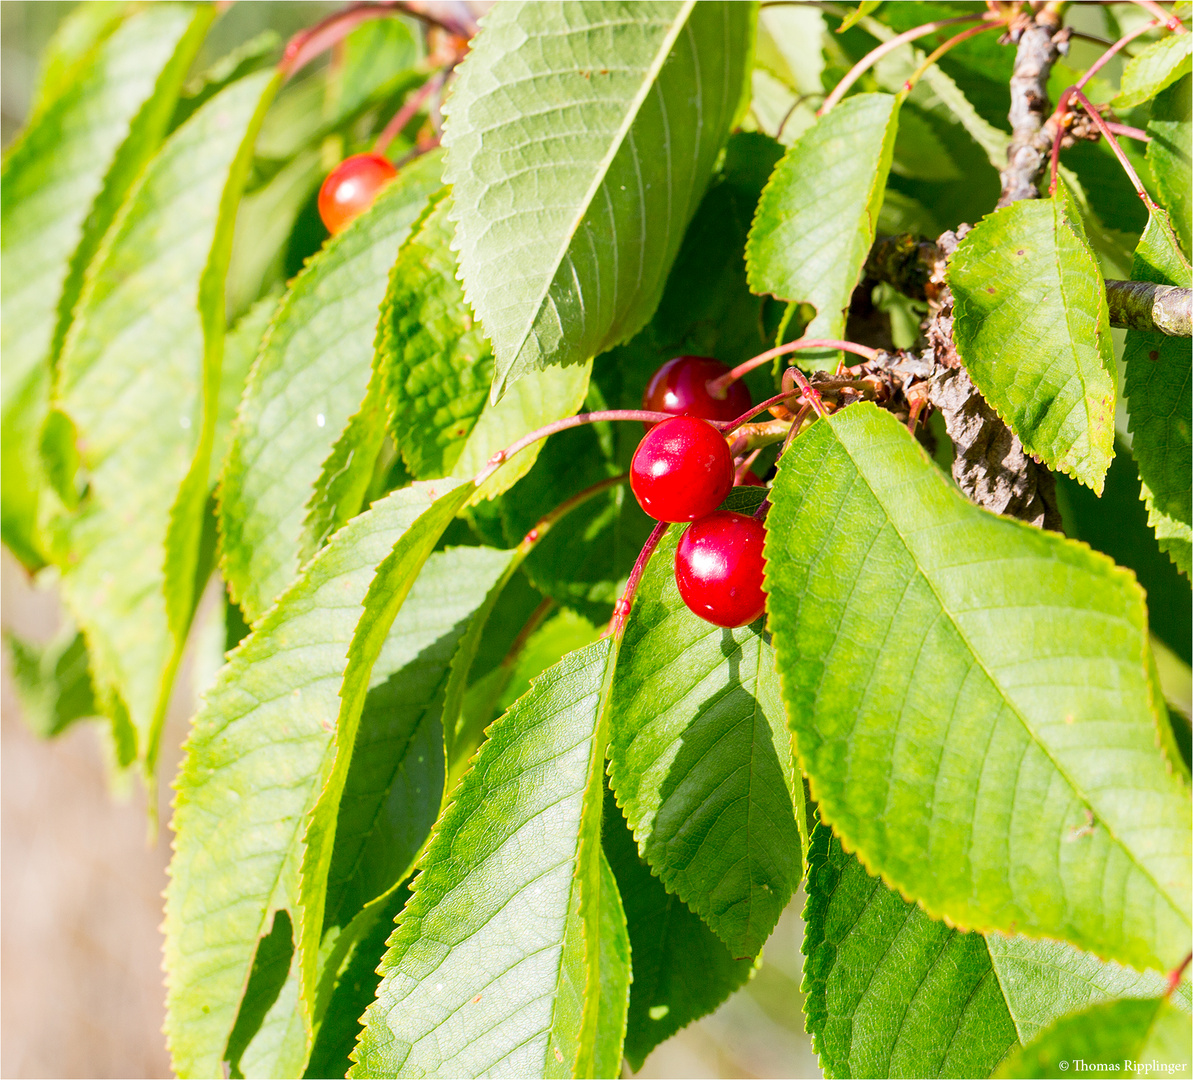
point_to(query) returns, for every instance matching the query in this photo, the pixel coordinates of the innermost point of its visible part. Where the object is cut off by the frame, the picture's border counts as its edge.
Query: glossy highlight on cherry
(681, 470)
(351, 187)
(719, 568)
(681, 387)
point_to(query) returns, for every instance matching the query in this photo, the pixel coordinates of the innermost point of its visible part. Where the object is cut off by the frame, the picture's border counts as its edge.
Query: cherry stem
(621, 610)
(810, 396)
(1108, 135)
(304, 46)
(1174, 976)
(729, 426)
(548, 520)
(739, 474)
(1128, 132)
(1166, 17)
(1063, 104)
(721, 383)
(876, 54)
(407, 112)
(1093, 39)
(502, 456)
(940, 50)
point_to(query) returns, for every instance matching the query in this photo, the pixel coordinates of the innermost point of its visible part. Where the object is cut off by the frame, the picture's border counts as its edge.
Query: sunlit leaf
(971, 702)
(1153, 68)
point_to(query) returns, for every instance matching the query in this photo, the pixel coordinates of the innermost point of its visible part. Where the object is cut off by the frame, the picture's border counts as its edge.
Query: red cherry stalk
(304, 46)
(1108, 135)
(717, 386)
(1062, 105)
(408, 111)
(940, 50)
(621, 610)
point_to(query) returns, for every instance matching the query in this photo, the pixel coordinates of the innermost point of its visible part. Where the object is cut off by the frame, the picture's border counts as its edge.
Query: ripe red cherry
(680, 387)
(681, 470)
(750, 479)
(718, 568)
(351, 187)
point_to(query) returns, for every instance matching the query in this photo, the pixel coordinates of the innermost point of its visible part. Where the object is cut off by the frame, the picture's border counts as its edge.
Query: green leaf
(971, 702)
(139, 393)
(1169, 156)
(1032, 328)
(1044, 980)
(386, 783)
(1112, 1036)
(566, 233)
(890, 991)
(494, 966)
(62, 183)
(614, 976)
(701, 759)
(242, 342)
(863, 8)
(437, 362)
(309, 378)
(53, 682)
(1157, 386)
(256, 755)
(817, 217)
(682, 970)
(1154, 68)
(77, 36)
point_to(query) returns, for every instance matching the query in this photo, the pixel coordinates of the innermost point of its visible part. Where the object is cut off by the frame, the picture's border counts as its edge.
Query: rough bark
(1040, 42)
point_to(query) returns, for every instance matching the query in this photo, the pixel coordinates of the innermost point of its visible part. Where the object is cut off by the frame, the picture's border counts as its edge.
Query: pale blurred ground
(81, 991)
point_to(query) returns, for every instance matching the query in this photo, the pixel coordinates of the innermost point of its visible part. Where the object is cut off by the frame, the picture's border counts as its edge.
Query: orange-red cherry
(351, 187)
(680, 387)
(719, 568)
(681, 470)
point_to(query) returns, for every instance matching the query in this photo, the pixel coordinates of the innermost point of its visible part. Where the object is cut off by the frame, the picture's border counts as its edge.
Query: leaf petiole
(621, 611)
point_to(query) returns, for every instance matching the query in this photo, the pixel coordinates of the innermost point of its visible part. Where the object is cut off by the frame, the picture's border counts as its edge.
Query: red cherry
(681, 470)
(750, 479)
(680, 387)
(351, 187)
(718, 568)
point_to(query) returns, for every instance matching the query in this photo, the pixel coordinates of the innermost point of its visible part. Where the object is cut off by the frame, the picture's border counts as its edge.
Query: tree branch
(907, 263)
(1040, 41)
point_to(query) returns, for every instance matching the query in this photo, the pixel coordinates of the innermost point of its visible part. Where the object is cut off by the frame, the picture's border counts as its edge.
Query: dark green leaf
(816, 219)
(701, 759)
(309, 378)
(890, 991)
(1110, 1038)
(494, 966)
(1031, 325)
(971, 701)
(682, 970)
(1157, 387)
(646, 95)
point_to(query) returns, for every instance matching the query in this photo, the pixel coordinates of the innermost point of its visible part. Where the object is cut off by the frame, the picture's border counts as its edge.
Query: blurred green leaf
(53, 682)
(1115, 1034)
(1168, 154)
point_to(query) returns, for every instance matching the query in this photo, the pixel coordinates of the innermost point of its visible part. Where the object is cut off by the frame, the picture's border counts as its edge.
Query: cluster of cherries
(682, 471)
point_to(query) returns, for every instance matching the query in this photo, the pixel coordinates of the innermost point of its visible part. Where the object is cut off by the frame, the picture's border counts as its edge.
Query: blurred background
(81, 873)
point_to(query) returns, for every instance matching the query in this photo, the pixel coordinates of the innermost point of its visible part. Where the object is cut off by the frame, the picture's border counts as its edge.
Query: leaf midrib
(649, 81)
(1130, 854)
